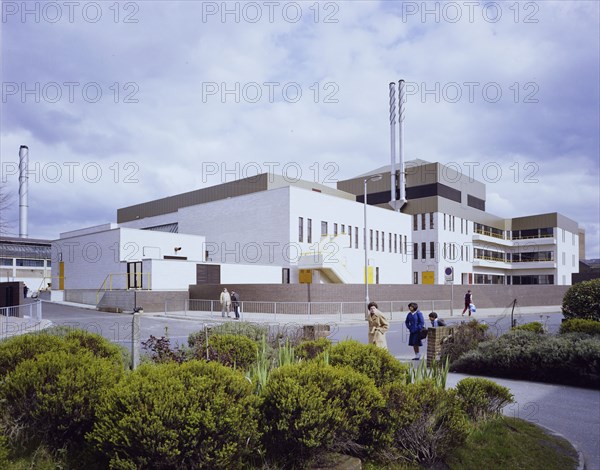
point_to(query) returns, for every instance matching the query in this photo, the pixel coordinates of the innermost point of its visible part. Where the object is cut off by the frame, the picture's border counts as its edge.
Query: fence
(31, 310)
(396, 309)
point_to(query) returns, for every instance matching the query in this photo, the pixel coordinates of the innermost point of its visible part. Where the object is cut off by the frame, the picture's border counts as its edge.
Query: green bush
(229, 350)
(482, 399)
(194, 415)
(465, 337)
(52, 398)
(250, 330)
(425, 422)
(310, 408)
(582, 300)
(311, 349)
(23, 347)
(571, 359)
(534, 327)
(580, 325)
(376, 363)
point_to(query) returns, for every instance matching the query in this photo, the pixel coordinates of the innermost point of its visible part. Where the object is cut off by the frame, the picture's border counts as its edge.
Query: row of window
(450, 251)
(29, 263)
(449, 222)
(396, 243)
(498, 279)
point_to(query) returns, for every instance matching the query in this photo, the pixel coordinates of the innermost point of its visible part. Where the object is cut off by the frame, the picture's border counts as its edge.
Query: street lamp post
(370, 178)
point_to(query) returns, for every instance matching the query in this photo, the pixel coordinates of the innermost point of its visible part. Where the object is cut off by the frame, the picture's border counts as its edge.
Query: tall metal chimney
(23, 189)
(401, 100)
(393, 144)
(397, 204)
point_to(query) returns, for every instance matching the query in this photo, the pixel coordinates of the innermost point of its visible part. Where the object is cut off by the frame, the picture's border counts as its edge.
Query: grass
(504, 443)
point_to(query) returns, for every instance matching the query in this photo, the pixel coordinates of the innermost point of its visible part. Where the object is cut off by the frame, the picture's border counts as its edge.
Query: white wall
(249, 274)
(170, 274)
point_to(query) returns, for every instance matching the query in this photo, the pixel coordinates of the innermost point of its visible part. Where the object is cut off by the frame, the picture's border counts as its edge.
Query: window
(564, 258)
(300, 229)
(405, 245)
(415, 222)
(382, 240)
(444, 221)
(432, 249)
(431, 224)
(355, 237)
(350, 234)
(371, 239)
(323, 228)
(423, 250)
(415, 277)
(461, 225)
(390, 242)
(423, 221)
(335, 227)
(309, 230)
(376, 274)
(573, 260)
(415, 251)
(376, 240)
(467, 227)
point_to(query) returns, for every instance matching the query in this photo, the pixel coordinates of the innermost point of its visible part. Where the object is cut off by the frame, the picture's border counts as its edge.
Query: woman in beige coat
(378, 325)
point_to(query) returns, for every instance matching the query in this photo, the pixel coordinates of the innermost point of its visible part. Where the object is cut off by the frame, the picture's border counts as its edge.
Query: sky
(126, 102)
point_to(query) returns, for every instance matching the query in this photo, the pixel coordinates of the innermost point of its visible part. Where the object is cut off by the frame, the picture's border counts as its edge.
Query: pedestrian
(378, 326)
(415, 323)
(435, 321)
(468, 302)
(25, 290)
(235, 303)
(225, 303)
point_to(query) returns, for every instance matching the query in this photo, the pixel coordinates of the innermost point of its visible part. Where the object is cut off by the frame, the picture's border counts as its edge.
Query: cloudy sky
(124, 102)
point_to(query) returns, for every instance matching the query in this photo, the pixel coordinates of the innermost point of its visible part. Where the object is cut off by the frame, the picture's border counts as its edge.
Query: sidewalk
(354, 318)
(13, 326)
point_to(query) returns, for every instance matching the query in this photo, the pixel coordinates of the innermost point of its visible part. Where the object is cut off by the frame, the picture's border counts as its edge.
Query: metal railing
(394, 310)
(31, 310)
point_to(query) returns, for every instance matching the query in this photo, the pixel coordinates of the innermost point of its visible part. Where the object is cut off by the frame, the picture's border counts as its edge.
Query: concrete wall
(484, 296)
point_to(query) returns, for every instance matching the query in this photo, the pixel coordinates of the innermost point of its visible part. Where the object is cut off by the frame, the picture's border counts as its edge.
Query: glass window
(371, 239)
(335, 229)
(415, 222)
(415, 251)
(431, 224)
(376, 240)
(423, 250)
(423, 221)
(300, 229)
(323, 228)
(309, 230)
(355, 237)
(432, 249)
(350, 234)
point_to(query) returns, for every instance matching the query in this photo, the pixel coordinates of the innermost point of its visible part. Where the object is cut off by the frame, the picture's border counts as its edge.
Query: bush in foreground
(464, 338)
(570, 359)
(580, 325)
(534, 327)
(194, 415)
(374, 362)
(52, 398)
(482, 399)
(582, 300)
(311, 408)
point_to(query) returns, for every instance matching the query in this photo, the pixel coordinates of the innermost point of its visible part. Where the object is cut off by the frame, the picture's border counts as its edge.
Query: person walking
(225, 303)
(415, 323)
(378, 325)
(235, 303)
(468, 302)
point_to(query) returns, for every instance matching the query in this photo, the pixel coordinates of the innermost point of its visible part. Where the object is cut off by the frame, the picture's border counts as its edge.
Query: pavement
(570, 412)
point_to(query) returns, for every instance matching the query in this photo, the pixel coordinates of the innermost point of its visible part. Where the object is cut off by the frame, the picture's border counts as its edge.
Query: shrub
(580, 325)
(229, 350)
(250, 330)
(192, 415)
(582, 300)
(465, 337)
(482, 399)
(425, 422)
(571, 359)
(311, 349)
(53, 397)
(160, 350)
(310, 408)
(21, 348)
(376, 363)
(534, 327)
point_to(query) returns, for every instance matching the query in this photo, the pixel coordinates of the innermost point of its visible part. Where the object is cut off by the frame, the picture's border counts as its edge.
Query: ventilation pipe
(401, 101)
(23, 189)
(397, 204)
